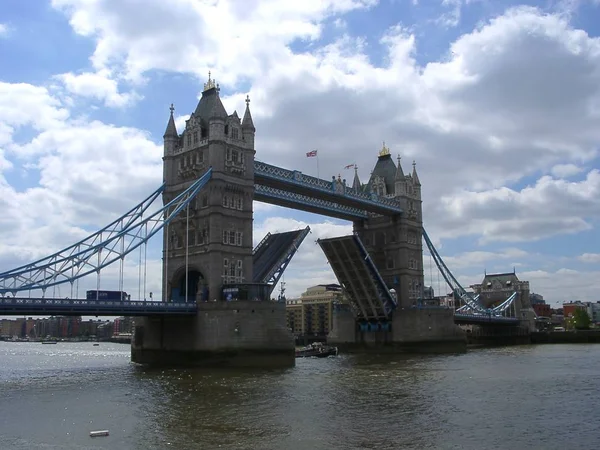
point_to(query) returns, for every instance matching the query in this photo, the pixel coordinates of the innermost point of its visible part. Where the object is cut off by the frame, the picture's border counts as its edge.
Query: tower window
(189, 139)
(203, 132)
(234, 133)
(195, 137)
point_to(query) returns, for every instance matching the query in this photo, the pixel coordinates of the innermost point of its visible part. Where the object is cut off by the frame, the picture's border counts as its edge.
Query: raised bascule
(216, 306)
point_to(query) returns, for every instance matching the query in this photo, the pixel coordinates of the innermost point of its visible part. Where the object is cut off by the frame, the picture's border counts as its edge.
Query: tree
(581, 320)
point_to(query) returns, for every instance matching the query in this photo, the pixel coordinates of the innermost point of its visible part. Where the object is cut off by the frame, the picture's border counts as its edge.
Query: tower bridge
(216, 303)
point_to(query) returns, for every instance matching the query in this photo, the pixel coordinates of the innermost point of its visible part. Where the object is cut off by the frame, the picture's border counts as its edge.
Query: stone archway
(196, 285)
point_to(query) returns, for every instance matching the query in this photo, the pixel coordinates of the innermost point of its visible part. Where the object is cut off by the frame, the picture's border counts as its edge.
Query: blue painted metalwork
(484, 319)
(472, 311)
(102, 248)
(316, 205)
(272, 255)
(82, 307)
(335, 191)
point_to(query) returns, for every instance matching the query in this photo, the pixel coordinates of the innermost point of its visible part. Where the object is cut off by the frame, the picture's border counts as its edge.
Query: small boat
(317, 350)
(96, 345)
(49, 341)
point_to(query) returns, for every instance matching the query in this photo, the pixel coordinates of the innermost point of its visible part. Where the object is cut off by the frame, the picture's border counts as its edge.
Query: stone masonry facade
(395, 243)
(219, 227)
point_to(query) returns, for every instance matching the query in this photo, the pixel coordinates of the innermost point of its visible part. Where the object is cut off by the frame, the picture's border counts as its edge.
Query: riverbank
(566, 337)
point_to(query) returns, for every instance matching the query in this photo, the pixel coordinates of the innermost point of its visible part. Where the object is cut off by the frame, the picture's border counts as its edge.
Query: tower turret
(170, 137)
(356, 182)
(170, 143)
(400, 180)
(248, 129)
(415, 177)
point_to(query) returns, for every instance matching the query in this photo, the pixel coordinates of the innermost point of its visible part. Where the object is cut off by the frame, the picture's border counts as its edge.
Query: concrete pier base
(241, 333)
(412, 330)
(500, 336)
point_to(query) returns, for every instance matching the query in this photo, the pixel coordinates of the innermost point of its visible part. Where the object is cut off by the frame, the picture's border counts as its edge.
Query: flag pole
(318, 164)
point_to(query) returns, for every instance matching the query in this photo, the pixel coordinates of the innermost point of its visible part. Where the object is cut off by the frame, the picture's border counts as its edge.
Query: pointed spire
(399, 171)
(356, 182)
(210, 84)
(171, 130)
(415, 178)
(247, 122)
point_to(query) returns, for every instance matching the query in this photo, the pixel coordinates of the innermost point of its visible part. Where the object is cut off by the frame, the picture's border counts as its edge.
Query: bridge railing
(82, 303)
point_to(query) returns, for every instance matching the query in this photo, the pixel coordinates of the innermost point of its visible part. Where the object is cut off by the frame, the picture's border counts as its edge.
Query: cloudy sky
(497, 101)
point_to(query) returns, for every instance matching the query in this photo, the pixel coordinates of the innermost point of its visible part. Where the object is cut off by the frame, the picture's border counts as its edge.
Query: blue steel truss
(102, 248)
(76, 307)
(307, 203)
(275, 263)
(472, 311)
(315, 188)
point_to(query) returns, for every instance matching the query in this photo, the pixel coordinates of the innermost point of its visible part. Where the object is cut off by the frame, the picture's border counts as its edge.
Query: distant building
(570, 308)
(593, 310)
(496, 288)
(539, 305)
(312, 313)
(535, 299)
(542, 309)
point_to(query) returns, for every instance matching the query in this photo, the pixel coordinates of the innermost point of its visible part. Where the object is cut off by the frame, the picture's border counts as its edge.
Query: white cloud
(531, 213)
(189, 36)
(4, 30)
(593, 258)
(479, 259)
(565, 170)
(99, 86)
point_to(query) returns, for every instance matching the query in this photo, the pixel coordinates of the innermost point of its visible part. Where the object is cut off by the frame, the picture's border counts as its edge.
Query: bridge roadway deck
(270, 251)
(15, 306)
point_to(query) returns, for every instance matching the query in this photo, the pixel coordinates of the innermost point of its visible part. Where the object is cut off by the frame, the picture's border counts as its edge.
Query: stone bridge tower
(214, 246)
(395, 243)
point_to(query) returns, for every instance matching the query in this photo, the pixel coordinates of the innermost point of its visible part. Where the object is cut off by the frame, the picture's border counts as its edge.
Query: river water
(527, 397)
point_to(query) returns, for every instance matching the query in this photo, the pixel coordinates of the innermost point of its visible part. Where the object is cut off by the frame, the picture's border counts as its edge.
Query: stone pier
(412, 330)
(238, 334)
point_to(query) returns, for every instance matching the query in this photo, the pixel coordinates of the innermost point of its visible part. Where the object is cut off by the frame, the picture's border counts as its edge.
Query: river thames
(528, 397)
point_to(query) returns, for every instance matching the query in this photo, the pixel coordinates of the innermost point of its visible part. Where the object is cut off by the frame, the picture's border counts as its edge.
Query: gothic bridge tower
(395, 243)
(214, 245)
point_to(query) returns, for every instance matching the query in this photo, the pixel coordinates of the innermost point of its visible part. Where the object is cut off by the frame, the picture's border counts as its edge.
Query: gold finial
(210, 83)
(384, 150)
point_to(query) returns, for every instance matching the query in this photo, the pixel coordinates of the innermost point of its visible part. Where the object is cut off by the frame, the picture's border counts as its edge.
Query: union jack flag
(311, 154)
(349, 166)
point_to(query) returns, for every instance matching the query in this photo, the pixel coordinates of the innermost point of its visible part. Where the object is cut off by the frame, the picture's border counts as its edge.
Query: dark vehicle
(317, 350)
(107, 295)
